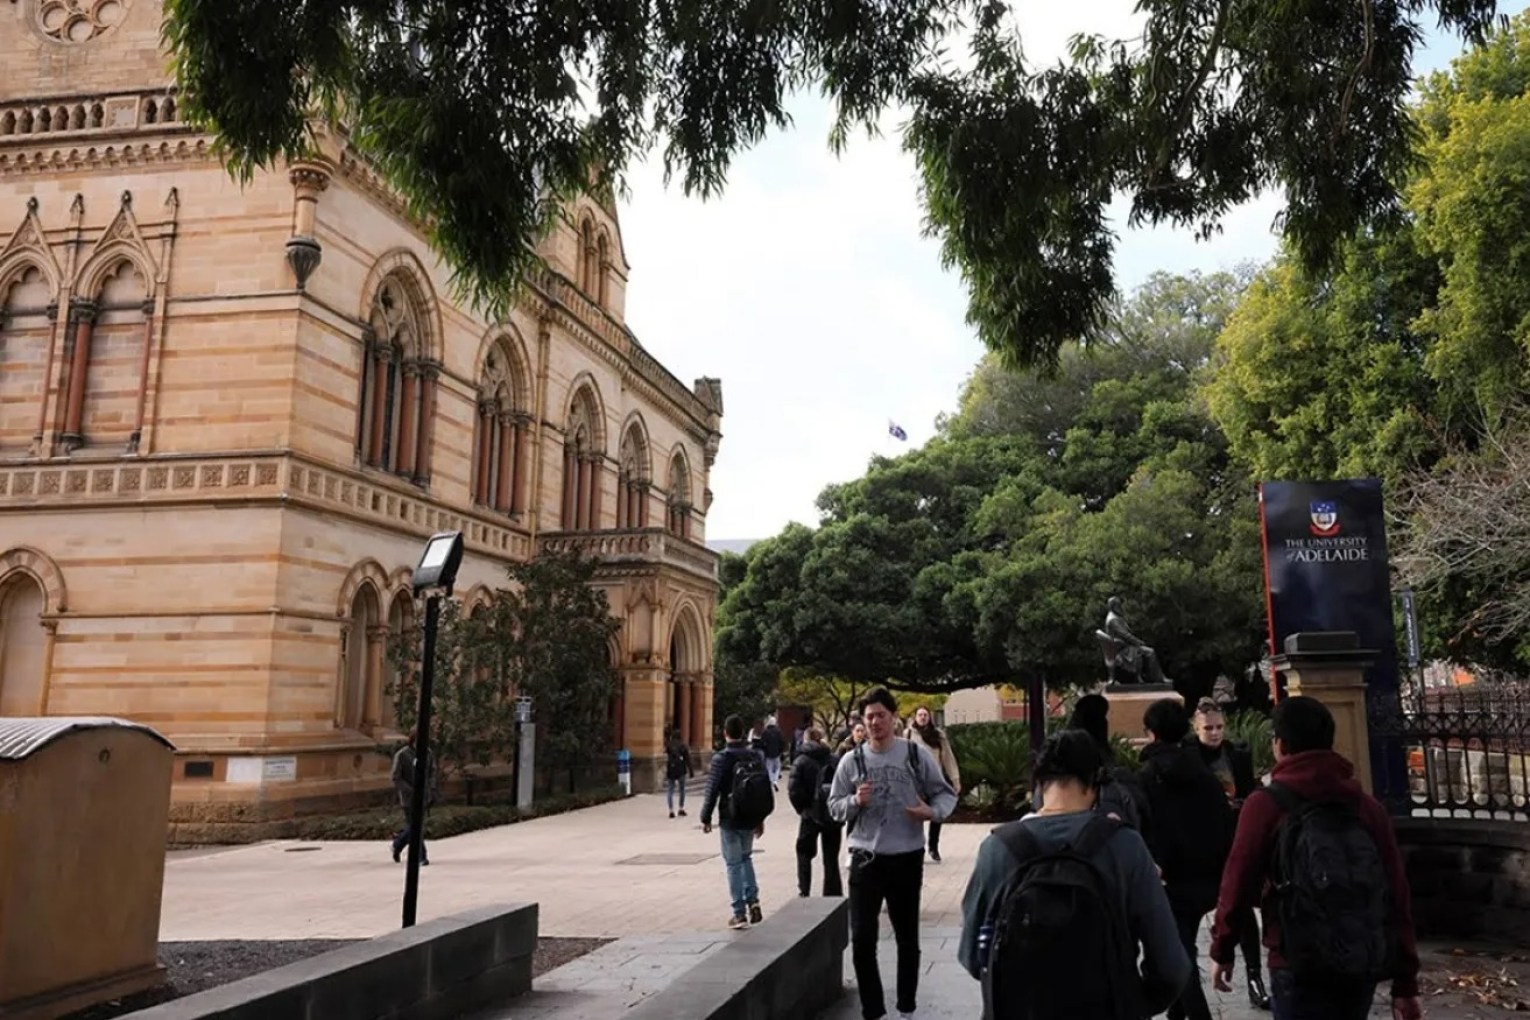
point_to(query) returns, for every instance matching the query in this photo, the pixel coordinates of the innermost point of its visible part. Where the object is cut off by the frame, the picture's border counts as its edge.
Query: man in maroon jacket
(1308, 767)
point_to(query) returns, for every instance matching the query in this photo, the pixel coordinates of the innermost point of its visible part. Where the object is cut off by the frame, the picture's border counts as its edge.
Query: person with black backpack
(1061, 902)
(677, 769)
(1320, 856)
(885, 790)
(772, 745)
(1190, 835)
(808, 789)
(739, 788)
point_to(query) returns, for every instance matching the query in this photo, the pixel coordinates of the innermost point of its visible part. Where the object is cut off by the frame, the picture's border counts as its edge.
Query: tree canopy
(487, 115)
(990, 552)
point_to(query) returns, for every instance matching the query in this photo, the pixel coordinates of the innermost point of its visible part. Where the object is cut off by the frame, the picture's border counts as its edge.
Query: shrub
(446, 819)
(1253, 729)
(997, 754)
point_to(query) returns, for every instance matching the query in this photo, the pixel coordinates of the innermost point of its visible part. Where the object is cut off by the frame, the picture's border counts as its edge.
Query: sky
(808, 288)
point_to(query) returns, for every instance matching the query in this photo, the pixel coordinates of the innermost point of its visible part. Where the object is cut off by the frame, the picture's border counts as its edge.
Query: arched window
(398, 384)
(603, 268)
(679, 496)
(633, 480)
(22, 644)
(502, 437)
(25, 333)
(362, 656)
(582, 456)
(106, 340)
(589, 259)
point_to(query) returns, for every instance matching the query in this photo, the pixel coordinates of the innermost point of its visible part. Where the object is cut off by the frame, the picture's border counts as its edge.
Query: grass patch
(447, 819)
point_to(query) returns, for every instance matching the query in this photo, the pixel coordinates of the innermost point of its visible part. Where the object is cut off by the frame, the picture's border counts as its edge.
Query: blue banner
(1325, 561)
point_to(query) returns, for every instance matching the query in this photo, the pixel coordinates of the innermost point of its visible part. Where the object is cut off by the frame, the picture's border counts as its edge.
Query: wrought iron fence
(1466, 749)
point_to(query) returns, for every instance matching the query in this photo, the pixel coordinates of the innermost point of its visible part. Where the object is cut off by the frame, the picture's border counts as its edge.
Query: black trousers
(809, 835)
(1246, 924)
(1192, 1003)
(935, 837)
(897, 880)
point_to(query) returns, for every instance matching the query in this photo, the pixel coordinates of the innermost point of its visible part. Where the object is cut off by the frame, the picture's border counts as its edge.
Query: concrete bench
(789, 967)
(433, 971)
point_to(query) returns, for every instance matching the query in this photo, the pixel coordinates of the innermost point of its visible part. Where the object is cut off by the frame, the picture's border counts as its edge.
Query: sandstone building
(230, 416)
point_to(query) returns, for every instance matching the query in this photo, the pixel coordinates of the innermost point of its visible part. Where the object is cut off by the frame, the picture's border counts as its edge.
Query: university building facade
(229, 417)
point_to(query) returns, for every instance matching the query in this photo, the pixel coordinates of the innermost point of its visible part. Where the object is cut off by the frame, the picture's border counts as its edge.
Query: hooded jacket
(1312, 775)
(1192, 825)
(815, 765)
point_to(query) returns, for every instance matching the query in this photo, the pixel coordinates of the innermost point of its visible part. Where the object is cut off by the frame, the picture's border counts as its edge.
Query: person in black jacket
(1233, 766)
(1190, 836)
(811, 770)
(737, 839)
(772, 745)
(677, 769)
(1120, 793)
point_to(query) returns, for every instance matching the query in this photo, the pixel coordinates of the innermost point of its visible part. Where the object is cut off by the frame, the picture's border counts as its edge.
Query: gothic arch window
(362, 656)
(25, 333)
(589, 259)
(501, 469)
(105, 342)
(398, 383)
(679, 495)
(22, 644)
(582, 457)
(602, 267)
(633, 479)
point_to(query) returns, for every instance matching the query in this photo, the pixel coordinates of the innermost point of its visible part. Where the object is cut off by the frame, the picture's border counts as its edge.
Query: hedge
(447, 819)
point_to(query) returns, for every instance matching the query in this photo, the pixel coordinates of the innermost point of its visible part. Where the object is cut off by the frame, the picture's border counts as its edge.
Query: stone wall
(1470, 878)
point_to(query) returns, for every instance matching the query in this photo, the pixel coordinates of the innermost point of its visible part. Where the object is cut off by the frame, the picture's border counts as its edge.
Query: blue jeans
(670, 786)
(1292, 999)
(738, 857)
(773, 769)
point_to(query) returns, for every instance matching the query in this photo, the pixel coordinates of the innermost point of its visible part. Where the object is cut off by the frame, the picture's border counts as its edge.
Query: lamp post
(436, 573)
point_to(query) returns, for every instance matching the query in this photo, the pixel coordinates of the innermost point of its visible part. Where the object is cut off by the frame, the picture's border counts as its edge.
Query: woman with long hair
(924, 731)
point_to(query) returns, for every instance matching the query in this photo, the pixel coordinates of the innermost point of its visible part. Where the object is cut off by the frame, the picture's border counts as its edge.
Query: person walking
(1119, 793)
(1233, 766)
(1068, 890)
(772, 745)
(739, 788)
(1190, 835)
(809, 788)
(1314, 811)
(677, 769)
(855, 738)
(403, 781)
(885, 790)
(924, 732)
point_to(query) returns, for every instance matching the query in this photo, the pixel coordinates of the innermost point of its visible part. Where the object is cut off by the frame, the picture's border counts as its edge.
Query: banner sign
(1325, 562)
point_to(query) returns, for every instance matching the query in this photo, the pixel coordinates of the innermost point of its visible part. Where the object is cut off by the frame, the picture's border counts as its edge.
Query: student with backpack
(1061, 902)
(1320, 856)
(1120, 792)
(885, 790)
(677, 769)
(739, 788)
(808, 789)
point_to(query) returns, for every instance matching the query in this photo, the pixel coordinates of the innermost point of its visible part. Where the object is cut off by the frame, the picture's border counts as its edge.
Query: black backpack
(1060, 915)
(802, 787)
(751, 798)
(1331, 891)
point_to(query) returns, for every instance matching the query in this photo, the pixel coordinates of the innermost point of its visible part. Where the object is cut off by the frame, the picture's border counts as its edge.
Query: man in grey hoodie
(886, 790)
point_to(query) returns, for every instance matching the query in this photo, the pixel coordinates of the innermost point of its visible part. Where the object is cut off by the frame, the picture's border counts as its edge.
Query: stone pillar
(597, 490)
(485, 465)
(430, 376)
(643, 709)
(1330, 666)
(642, 498)
(621, 501)
(79, 373)
(504, 477)
(701, 714)
(382, 358)
(570, 487)
(684, 692)
(409, 423)
(582, 494)
(520, 476)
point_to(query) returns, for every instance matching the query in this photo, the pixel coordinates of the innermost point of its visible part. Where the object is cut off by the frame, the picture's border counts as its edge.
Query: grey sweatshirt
(882, 826)
(1126, 862)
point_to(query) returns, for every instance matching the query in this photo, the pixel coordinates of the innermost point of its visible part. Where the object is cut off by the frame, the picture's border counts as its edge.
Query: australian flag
(896, 431)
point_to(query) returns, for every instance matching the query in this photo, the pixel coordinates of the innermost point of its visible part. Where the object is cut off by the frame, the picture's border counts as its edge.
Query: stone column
(643, 501)
(645, 718)
(430, 378)
(504, 477)
(485, 466)
(597, 484)
(84, 313)
(701, 713)
(684, 691)
(1331, 668)
(582, 495)
(570, 485)
(621, 501)
(382, 358)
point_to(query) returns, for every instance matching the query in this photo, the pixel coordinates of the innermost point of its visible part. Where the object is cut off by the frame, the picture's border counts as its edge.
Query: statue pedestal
(1128, 702)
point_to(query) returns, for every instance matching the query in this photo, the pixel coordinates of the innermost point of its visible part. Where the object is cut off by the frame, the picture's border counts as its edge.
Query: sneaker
(738, 923)
(396, 853)
(682, 812)
(756, 915)
(671, 814)
(934, 855)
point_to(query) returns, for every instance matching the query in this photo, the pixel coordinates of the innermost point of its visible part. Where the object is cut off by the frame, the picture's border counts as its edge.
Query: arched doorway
(683, 701)
(363, 658)
(22, 646)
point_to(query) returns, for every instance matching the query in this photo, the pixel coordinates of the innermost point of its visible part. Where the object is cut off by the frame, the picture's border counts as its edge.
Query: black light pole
(436, 573)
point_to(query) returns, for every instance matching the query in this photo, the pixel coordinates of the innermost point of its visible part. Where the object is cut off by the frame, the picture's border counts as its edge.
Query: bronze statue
(1128, 659)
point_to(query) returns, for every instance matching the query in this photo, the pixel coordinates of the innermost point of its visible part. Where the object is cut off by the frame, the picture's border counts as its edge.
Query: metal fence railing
(1466, 748)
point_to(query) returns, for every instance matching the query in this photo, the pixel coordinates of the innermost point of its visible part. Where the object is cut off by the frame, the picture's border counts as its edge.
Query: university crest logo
(1325, 518)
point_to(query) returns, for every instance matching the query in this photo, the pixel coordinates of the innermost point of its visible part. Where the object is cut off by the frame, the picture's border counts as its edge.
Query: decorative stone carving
(79, 21)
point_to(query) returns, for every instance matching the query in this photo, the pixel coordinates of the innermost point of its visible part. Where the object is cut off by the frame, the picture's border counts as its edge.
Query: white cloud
(809, 290)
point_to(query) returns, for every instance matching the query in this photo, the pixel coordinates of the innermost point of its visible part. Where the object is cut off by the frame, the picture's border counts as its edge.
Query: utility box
(84, 813)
